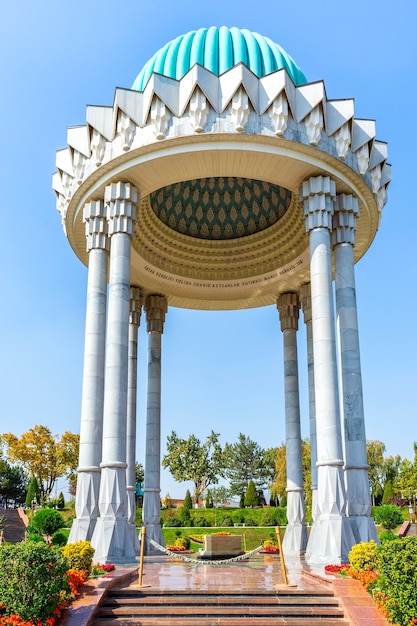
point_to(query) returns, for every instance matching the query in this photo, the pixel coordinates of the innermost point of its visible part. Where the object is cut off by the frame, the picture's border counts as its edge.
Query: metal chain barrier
(186, 559)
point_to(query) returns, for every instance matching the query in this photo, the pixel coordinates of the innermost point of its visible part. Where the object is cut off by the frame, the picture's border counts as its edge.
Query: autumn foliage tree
(43, 455)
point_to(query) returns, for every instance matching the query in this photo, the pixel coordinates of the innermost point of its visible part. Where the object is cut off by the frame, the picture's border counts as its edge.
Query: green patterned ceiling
(219, 208)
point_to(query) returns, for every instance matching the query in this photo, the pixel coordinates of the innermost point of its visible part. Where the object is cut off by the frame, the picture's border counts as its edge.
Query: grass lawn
(252, 537)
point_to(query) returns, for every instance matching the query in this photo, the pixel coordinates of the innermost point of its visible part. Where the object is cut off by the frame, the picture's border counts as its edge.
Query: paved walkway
(260, 572)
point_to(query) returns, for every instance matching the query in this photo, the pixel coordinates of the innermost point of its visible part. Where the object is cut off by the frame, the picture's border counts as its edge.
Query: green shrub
(60, 538)
(398, 578)
(389, 516)
(200, 521)
(35, 538)
(387, 535)
(363, 556)
(226, 521)
(250, 522)
(281, 516)
(32, 579)
(183, 542)
(47, 521)
(185, 517)
(79, 555)
(268, 519)
(172, 522)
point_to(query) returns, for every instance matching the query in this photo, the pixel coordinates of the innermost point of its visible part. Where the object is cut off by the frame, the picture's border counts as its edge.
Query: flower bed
(389, 573)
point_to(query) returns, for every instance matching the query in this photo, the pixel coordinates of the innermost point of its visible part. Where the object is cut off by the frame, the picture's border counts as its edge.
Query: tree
(13, 483)
(279, 486)
(251, 495)
(406, 482)
(32, 494)
(44, 456)
(209, 500)
(244, 462)
(220, 495)
(375, 451)
(189, 459)
(47, 521)
(188, 503)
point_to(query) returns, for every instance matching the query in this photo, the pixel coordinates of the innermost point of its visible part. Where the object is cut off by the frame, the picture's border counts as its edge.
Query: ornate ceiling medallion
(218, 208)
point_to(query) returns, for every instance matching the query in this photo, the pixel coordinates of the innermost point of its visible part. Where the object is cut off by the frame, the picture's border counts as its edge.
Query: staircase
(139, 607)
(14, 528)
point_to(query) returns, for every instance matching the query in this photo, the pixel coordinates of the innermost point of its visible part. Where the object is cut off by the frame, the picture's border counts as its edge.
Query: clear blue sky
(221, 371)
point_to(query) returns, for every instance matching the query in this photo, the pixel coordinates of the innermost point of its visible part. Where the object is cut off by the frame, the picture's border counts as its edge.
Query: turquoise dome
(218, 50)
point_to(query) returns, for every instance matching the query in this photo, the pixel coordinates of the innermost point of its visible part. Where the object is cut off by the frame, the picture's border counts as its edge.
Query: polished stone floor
(260, 572)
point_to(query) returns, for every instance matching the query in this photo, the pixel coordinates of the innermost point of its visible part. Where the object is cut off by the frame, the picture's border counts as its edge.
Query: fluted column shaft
(351, 405)
(91, 427)
(111, 538)
(295, 539)
(305, 298)
(334, 540)
(156, 308)
(134, 322)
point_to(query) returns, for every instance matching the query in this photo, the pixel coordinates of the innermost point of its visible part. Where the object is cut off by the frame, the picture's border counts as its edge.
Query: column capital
(346, 212)
(156, 307)
(317, 195)
(95, 221)
(121, 199)
(288, 306)
(305, 299)
(136, 301)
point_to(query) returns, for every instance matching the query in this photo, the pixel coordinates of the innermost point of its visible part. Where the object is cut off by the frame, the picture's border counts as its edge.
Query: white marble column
(356, 464)
(156, 308)
(305, 298)
(295, 538)
(111, 538)
(334, 539)
(91, 428)
(136, 300)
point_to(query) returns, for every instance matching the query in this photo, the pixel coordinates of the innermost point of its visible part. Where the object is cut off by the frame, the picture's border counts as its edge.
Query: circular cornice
(240, 147)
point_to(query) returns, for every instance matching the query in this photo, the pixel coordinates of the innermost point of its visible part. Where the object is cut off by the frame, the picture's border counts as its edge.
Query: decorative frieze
(198, 111)
(240, 110)
(79, 162)
(343, 140)
(278, 113)
(126, 130)
(98, 147)
(160, 117)
(314, 125)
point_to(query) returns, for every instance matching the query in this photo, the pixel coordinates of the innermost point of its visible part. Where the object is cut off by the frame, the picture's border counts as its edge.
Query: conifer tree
(251, 496)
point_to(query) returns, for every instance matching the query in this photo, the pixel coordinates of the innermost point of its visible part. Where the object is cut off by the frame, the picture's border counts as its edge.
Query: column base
(295, 540)
(112, 541)
(86, 504)
(330, 541)
(363, 528)
(135, 539)
(153, 531)
(82, 529)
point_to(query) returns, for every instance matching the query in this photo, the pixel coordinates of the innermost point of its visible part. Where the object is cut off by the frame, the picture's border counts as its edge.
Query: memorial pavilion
(222, 179)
